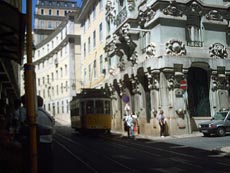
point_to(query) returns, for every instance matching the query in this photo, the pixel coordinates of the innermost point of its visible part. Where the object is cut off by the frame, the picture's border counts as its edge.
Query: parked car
(219, 124)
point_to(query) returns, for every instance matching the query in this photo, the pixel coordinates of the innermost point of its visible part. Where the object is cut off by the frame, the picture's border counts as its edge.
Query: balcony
(121, 16)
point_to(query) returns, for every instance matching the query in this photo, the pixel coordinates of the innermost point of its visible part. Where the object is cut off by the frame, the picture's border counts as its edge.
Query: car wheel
(206, 134)
(221, 131)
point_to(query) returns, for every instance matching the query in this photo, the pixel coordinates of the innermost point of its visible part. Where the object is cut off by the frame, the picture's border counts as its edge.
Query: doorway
(198, 92)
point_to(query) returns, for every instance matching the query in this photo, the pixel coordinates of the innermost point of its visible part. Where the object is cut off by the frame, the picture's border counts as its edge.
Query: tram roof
(92, 93)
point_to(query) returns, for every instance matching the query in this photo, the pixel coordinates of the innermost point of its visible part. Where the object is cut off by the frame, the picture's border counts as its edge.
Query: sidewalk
(225, 151)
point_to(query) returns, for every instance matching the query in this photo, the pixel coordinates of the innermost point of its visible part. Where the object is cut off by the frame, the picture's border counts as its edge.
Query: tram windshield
(107, 107)
(89, 107)
(95, 107)
(99, 106)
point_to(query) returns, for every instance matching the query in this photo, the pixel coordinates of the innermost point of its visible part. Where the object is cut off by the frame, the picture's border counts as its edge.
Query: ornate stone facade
(162, 67)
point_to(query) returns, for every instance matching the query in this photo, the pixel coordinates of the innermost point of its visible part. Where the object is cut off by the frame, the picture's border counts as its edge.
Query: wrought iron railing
(121, 16)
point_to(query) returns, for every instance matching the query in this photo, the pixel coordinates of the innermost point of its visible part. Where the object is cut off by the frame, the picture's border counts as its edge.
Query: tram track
(188, 159)
(122, 150)
(133, 147)
(94, 161)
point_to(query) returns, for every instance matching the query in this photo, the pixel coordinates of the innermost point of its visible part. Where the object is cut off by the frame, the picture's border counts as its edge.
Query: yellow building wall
(95, 52)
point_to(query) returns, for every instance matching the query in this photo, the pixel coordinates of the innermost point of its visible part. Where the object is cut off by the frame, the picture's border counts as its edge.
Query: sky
(33, 4)
(24, 5)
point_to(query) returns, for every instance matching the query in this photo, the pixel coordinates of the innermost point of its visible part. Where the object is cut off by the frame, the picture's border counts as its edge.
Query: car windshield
(220, 115)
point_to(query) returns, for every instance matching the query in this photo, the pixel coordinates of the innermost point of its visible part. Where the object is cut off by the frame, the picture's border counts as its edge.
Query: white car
(219, 124)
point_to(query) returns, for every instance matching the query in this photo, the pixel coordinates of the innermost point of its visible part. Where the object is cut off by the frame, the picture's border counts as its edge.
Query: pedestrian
(45, 128)
(130, 125)
(161, 121)
(22, 133)
(135, 124)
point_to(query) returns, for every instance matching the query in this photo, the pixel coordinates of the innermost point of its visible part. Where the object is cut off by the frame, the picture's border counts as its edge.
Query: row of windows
(62, 51)
(58, 107)
(52, 91)
(58, 4)
(50, 46)
(50, 78)
(52, 12)
(92, 70)
(94, 39)
(48, 24)
(93, 13)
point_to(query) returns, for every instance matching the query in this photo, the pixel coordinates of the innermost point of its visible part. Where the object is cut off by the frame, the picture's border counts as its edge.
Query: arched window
(50, 12)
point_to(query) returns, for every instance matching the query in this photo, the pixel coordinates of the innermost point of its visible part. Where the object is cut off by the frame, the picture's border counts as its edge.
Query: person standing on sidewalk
(129, 122)
(161, 120)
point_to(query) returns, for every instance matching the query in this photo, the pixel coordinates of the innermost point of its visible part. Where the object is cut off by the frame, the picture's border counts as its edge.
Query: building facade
(54, 62)
(171, 55)
(92, 19)
(49, 15)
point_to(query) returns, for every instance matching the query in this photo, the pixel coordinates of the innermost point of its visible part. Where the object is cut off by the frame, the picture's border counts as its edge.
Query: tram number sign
(183, 84)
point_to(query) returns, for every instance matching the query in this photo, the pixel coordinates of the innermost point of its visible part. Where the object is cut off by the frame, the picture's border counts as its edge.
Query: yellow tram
(91, 111)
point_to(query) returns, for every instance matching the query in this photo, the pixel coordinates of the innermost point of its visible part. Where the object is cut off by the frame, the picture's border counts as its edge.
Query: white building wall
(55, 68)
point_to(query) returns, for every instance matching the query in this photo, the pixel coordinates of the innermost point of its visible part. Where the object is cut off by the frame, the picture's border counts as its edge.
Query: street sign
(183, 84)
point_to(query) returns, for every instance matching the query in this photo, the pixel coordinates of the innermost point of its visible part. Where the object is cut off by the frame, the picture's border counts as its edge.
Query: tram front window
(99, 106)
(89, 107)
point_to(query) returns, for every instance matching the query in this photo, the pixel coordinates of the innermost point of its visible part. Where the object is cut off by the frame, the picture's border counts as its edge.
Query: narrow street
(117, 153)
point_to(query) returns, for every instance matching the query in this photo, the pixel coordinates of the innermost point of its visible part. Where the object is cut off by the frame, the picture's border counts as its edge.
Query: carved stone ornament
(134, 58)
(172, 9)
(121, 64)
(220, 81)
(175, 47)
(108, 47)
(217, 50)
(110, 11)
(194, 8)
(214, 15)
(135, 85)
(153, 81)
(150, 14)
(131, 4)
(112, 90)
(146, 15)
(171, 82)
(125, 32)
(115, 42)
(150, 50)
(121, 87)
(141, 17)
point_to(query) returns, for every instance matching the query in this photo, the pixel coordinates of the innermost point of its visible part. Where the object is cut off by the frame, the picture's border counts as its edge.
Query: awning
(12, 32)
